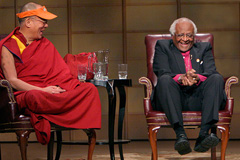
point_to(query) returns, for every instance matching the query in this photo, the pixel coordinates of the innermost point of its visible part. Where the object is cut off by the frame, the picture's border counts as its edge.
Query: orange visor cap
(40, 12)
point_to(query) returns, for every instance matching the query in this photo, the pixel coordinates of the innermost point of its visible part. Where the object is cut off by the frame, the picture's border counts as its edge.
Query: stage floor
(135, 150)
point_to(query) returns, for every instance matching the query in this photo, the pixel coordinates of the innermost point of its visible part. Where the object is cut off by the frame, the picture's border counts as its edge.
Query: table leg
(122, 95)
(50, 147)
(111, 118)
(59, 144)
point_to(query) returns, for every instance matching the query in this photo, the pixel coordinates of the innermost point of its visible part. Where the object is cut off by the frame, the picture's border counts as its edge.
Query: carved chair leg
(91, 141)
(22, 137)
(224, 129)
(152, 135)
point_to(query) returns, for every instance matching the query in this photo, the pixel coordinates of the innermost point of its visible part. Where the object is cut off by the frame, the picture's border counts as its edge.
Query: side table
(111, 86)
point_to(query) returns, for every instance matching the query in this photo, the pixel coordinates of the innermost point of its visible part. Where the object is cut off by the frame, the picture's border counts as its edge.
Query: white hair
(173, 26)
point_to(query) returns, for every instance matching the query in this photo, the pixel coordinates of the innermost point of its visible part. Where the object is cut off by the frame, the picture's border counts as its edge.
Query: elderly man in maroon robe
(42, 81)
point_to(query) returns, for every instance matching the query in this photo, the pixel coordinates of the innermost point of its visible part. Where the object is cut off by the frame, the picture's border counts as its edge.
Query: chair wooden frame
(156, 119)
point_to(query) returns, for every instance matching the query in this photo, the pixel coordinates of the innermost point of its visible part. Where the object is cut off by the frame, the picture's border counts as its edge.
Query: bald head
(30, 6)
(27, 7)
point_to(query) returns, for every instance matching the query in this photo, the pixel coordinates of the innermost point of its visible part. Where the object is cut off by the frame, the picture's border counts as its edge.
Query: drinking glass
(100, 71)
(82, 72)
(122, 71)
(101, 66)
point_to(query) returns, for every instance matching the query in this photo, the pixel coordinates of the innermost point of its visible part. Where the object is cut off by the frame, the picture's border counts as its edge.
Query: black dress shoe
(182, 145)
(204, 143)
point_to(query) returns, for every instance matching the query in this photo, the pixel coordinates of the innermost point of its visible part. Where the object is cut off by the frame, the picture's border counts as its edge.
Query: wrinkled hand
(53, 89)
(184, 80)
(190, 78)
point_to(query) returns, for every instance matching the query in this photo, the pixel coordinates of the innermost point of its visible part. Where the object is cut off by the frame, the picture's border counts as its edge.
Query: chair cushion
(21, 122)
(190, 118)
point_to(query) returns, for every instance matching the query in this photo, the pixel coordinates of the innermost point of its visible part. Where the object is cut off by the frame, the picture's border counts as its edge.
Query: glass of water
(122, 71)
(82, 72)
(100, 71)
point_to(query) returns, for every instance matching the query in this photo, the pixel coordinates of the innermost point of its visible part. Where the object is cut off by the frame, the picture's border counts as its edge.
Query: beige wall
(121, 25)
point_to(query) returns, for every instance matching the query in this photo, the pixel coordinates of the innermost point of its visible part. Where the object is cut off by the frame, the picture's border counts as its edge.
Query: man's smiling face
(183, 38)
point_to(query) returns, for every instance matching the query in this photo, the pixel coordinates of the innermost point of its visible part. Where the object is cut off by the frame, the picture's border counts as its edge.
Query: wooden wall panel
(135, 100)
(59, 24)
(58, 41)
(228, 66)
(136, 56)
(210, 1)
(136, 46)
(96, 2)
(137, 68)
(157, 17)
(235, 94)
(150, 2)
(235, 125)
(95, 19)
(226, 44)
(213, 16)
(7, 136)
(7, 24)
(137, 126)
(4, 4)
(55, 3)
(94, 42)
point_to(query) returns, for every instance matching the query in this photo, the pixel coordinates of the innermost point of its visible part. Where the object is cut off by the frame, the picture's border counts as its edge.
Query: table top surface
(112, 82)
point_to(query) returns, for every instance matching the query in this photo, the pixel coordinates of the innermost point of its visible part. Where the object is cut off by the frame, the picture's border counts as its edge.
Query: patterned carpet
(136, 150)
(162, 156)
(168, 156)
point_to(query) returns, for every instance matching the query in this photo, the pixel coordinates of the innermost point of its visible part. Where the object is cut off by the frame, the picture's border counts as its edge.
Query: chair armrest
(148, 86)
(231, 80)
(8, 106)
(148, 91)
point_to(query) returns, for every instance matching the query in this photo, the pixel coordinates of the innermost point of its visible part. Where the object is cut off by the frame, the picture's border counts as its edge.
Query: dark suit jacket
(169, 60)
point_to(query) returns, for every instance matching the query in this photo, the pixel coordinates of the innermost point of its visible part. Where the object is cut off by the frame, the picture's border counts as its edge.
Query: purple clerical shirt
(188, 66)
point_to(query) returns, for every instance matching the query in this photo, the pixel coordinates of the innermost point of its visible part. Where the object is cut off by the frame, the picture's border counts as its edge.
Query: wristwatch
(180, 79)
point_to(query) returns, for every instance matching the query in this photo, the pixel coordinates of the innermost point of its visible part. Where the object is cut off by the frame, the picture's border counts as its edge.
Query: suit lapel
(179, 59)
(195, 59)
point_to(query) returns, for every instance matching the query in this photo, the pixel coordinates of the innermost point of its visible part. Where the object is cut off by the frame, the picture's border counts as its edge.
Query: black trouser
(173, 98)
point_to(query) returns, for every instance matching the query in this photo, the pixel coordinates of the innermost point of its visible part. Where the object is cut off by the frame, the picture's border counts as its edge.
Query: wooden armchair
(157, 119)
(14, 120)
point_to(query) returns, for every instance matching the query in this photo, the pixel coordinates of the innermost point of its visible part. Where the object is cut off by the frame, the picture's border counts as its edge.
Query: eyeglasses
(44, 21)
(188, 35)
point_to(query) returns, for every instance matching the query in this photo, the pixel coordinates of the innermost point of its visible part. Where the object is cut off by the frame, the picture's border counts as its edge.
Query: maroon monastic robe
(41, 65)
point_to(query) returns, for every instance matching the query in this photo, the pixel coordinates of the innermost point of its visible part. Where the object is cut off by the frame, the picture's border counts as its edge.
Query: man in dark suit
(188, 81)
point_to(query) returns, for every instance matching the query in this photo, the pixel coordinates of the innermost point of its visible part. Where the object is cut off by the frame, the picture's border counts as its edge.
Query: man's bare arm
(9, 71)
